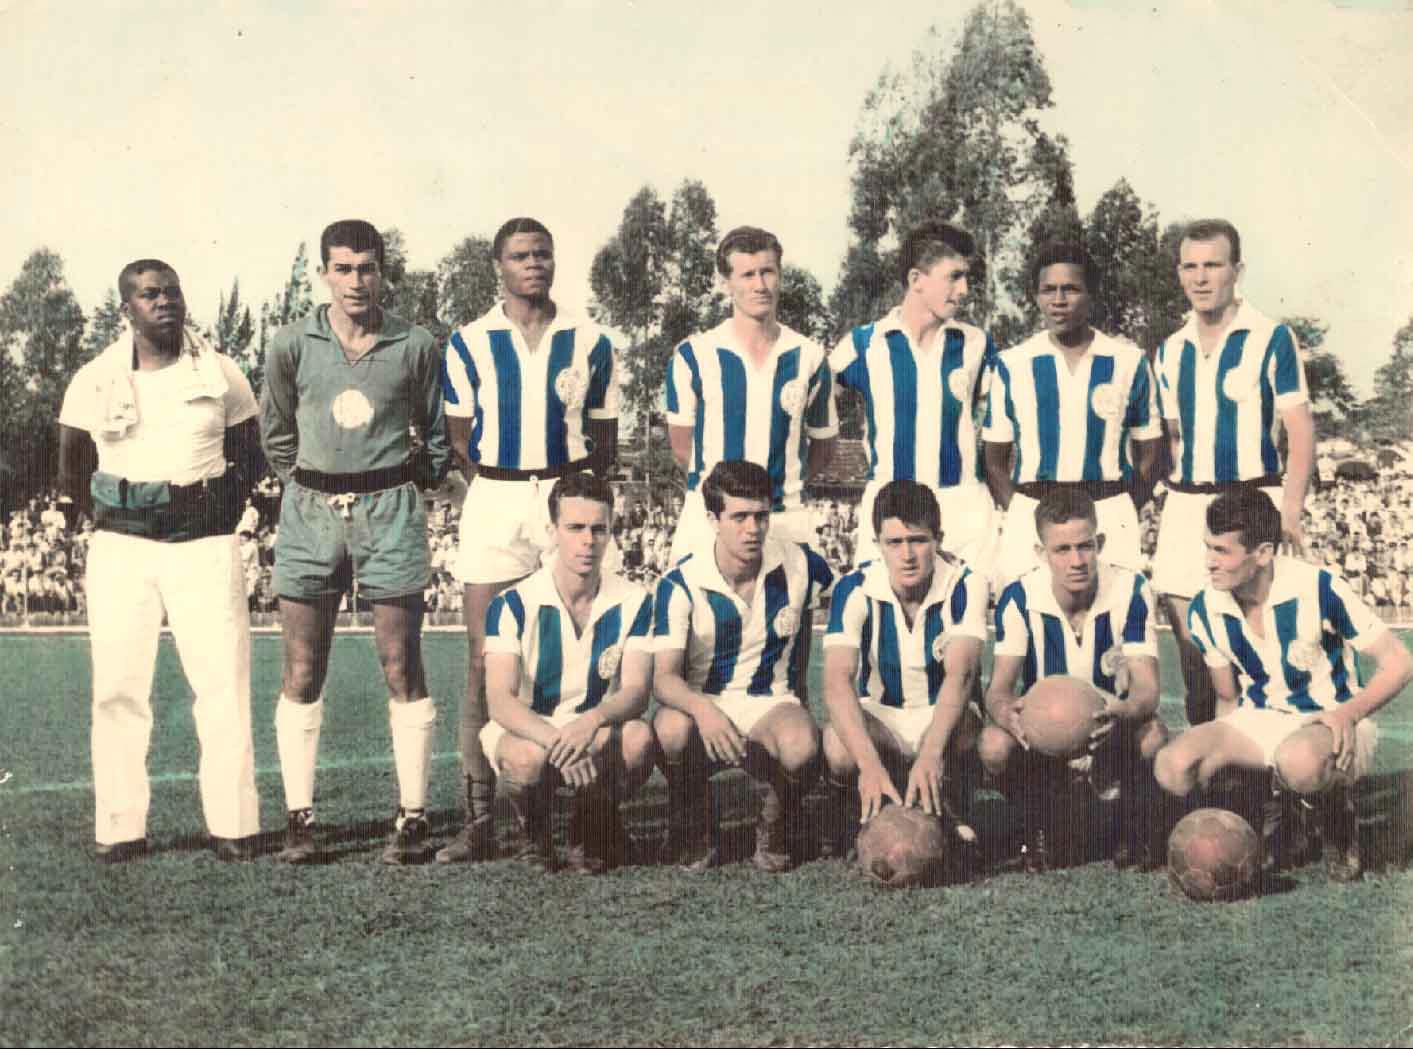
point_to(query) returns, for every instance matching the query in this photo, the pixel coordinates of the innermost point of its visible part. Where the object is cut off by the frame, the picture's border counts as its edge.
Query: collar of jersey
(540, 589)
(1285, 584)
(1247, 318)
(945, 573)
(724, 338)
(1101, 346)
(495, 319)
(893, 321)
(700, 569)
(394, 327)
(1041, 592)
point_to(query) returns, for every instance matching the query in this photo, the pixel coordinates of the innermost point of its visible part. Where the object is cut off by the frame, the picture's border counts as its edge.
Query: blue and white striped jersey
(761, 414)
(731, 646)
(1072, 427)
(1228, 403)
(1031, 626)
(902, 666)
(529, 409)
(558, 667)
(1312, 621)
(919, 404)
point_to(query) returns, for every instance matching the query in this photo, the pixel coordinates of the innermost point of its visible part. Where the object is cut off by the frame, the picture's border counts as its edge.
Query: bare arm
(1145, 470)
(242, 447)
(1228, 692)
(997, 460)
(1393, 671)
(1300, 464)
(78, 458)
(1002, 703)
(505, 706)
(459, 435)
(719, 735)
(846, 717)
(1142, 701)
(630, 701)
(960, 668)
(680, 437)
(603, 433)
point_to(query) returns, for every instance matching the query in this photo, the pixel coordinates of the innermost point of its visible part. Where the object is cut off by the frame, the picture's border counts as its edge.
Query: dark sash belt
(1266, 481)
(543, 473)
(1096, 490)
(356, 484)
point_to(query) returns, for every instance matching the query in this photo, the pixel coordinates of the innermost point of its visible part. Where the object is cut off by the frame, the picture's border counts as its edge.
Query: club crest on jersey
(609, 659)
(570, 386)
(1239, 385)
(792, 396)
(959, 383)
(787, 621)
(1112, 661)
(1107, 401)
(939, 647)
(352, 410)
(1304, 655)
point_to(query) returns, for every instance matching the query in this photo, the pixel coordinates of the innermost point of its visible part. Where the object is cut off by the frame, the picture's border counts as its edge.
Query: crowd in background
(1359, 528)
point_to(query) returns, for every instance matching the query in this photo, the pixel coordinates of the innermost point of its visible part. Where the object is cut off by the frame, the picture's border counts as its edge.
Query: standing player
(343, 388)
(901, 658)
(1228, 380)
(177, 451)
(921, 373)
(732, 639)
(1077, 615)
(1063, 408)
(1279, 637)
(568, 673)
(531, 396)
(752, 389)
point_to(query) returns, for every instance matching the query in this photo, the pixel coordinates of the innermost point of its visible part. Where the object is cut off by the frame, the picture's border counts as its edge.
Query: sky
(218, 136)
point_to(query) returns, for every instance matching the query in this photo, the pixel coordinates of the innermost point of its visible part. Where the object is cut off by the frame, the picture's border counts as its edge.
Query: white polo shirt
(899, 665)
(529, 409)
(1072, 426)
(1313, 622)
(732, 646)
(559, 668)
(1228, 403)
(918, 404)
(761, 414)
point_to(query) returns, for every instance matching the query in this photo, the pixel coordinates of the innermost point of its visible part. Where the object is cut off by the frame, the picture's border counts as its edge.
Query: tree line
(958, 135)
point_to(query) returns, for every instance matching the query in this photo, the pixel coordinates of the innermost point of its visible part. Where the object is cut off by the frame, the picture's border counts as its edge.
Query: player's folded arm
(504, 703)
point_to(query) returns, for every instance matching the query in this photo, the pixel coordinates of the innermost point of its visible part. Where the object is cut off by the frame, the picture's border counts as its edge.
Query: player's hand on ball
(925, 783)
(1104, 723)
(874, 785)
(1010, 720)
(723, 743)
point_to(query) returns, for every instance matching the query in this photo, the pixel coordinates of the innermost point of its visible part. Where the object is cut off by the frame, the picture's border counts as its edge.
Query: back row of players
(564, 654)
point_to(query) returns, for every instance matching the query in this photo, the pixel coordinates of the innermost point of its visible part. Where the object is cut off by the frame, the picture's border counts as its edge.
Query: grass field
(182, 950)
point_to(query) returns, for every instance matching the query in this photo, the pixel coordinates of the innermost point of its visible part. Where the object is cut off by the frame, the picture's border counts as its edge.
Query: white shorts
(694, 531)
(908, 724)
(492, 733)
(969, 525)
(504, 532)
(1180, 562)
(1118, 524)
(1268, 729)
(745, 711)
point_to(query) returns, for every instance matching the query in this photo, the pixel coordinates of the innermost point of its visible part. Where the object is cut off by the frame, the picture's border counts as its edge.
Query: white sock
(297, 739)
(411, 727)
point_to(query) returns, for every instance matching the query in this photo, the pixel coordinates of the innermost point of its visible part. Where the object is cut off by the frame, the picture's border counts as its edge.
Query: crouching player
(901, 660)
(568, 675)
(732, 642)
(1077, 615)
(1279, 638)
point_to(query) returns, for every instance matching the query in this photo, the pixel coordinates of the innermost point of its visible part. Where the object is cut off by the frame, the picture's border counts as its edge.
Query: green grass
(181, 950)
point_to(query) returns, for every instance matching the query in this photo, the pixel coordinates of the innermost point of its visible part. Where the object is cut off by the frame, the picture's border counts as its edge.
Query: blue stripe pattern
(1333, 612)
(1103, 641)
(1224, 463)
(606, 632)
(890, 661)
(1287, 615)
(550, 664)
(1136, 623)
(1047, 402)
(733, 404)
(694, 475)
(904, 367)
(600, 374)
(1187, 405)
(777, 596)
(932, 630)
(949, 457)
(1247, 659)
(728, 643)
(1056, 662)
(866, 648)
(855, 377)
(478, 416)
(508, 395)
(1101, 370)
(786, 369)
(673, 581)
(556, 429)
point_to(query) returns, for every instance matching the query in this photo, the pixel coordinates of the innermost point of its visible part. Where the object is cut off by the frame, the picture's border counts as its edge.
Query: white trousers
(201, 586)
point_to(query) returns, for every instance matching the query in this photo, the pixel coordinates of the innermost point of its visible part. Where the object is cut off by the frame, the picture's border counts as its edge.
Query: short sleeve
(239, 398)
(821, 575)
(1012, 626)
(683, 386)
(672, 614)
(602, 399)
(459, 379)
(966, 608)
(1139, 635)
(1199, 627)
(505, 623)
(998, 427)
(821, 418)
(848, 612)
(80, 408)
(1343, 612)
(1167, 396)
(1286, 369)
(640, 631)
(1143, 420)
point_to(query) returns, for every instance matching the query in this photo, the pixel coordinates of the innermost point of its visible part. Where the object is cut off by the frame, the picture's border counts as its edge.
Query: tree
(409, 293)
(467, 283)
(104, 326)
(291, 303)
(41, 346)
(957, 138)
(1332, 399)
(1138, 295)
(802, 305)
(1388, 415)
(234, 331)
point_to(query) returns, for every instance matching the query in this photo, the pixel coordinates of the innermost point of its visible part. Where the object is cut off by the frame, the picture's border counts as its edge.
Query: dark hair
(910, 502)
(510, 227)
(1061, 505)
(930, 241)
(354, 234)
(748, 239)
(1250, 513)
(129, 274)
(1211, 229)
(737, 478)
(1056, 252)
(581, 485)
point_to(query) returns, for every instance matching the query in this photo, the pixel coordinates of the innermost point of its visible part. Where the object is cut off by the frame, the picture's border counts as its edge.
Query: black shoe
(121, 852)
(301, 841)
(408, 844)
(1035, 853)
(233, 850)
(1344, 861)
(476, 842)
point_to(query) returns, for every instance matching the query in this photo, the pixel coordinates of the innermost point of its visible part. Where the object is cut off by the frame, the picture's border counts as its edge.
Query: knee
(302, 677)
(637, 742)
(521, 760)
(395, 670)
(673, 731)
(1304, 762)
(796, 741)
(841, 763)
(994, 747)
(1172, 772)
(1151, 738)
